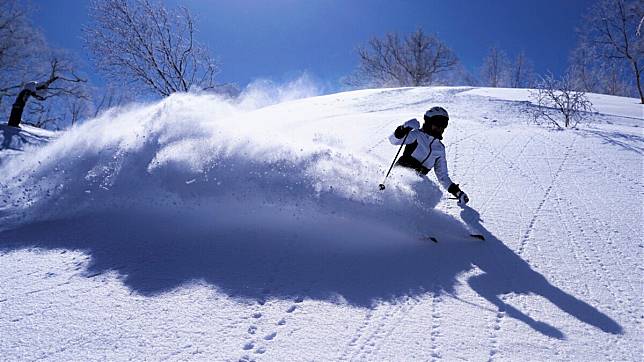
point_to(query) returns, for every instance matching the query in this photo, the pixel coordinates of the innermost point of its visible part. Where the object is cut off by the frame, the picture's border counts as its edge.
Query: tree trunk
(639, 83)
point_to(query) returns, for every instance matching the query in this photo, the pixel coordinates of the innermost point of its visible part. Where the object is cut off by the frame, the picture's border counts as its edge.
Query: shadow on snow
(322, 259)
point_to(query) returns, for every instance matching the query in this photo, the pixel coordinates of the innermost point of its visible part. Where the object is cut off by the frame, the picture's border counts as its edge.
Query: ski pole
(382, 185)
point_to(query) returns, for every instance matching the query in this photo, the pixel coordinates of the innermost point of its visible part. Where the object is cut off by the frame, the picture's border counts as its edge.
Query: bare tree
(109, 97)
(585, 69)
(593, 73)
(20, 48)
(521, 72)
(611, 28)
(494, 72)
(142, 41)
(459, 75)
(615, 79)
(59, 86)
(413, 61)
(556, 102)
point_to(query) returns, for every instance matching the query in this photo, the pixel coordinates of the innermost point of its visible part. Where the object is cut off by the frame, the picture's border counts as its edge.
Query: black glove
(402, 131)
(460, 195)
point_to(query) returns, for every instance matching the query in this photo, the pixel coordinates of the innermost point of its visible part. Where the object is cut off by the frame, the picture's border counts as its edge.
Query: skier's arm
(440, 168)
(405, 133)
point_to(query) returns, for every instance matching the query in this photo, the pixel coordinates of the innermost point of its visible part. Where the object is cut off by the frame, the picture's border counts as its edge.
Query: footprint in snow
(257, 315)
(291, 309)
(281, 322)
(271, 336)
(248, 346)
(252, 329)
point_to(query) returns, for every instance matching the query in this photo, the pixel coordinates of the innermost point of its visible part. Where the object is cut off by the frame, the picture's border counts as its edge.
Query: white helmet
(437, 115)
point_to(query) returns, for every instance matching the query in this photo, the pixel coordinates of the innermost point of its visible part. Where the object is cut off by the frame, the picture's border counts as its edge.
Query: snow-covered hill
(195, 229)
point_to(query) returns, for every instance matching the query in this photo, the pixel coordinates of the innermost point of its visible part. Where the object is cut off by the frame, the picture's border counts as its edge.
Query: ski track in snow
(376, 329)
(591, 252)
(501, 175)
(589, 155)
(507, 299)
(582, 257)
(579, 243)
(544, 199)
(366, 339)
(512, 167)
(596, 255)
(605, 234)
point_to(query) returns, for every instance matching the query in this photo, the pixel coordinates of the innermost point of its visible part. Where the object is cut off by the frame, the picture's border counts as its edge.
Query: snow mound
(201, 157)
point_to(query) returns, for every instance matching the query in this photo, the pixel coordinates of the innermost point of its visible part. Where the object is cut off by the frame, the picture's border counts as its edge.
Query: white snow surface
(198, 229)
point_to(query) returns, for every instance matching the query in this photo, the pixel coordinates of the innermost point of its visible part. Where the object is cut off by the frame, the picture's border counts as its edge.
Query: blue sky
(281, 39)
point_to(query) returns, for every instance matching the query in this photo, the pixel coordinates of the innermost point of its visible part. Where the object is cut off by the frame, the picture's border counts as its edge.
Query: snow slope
(14, 140)
(196, 229)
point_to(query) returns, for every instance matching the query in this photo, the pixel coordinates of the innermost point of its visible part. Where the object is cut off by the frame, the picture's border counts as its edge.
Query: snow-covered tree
(142, 41)
(416, 60)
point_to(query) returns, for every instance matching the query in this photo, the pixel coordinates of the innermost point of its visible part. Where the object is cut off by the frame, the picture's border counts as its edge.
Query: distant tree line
(608, 58)
(499, 71)
(144, 49)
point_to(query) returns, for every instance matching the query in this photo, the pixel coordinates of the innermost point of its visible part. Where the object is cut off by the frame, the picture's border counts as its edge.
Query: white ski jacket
(428, 151)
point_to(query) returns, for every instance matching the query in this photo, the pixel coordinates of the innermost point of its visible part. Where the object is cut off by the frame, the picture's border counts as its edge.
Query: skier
(21, 100)
(424, 149)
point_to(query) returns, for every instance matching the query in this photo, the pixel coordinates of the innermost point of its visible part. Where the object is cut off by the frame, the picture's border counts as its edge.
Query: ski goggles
(439, 121)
